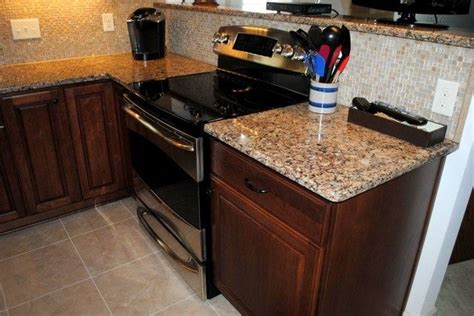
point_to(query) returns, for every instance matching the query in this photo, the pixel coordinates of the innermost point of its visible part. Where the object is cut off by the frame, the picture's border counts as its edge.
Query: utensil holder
(323, 97)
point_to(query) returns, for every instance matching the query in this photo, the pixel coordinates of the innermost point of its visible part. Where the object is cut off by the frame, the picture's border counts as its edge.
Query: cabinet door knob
(252, 187)
(54, 101)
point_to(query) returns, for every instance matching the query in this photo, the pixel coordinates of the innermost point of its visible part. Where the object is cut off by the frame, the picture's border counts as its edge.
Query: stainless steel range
(258, 69)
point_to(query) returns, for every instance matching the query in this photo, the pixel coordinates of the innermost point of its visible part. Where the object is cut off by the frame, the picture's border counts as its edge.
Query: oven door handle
(190, 265)
(155, 130)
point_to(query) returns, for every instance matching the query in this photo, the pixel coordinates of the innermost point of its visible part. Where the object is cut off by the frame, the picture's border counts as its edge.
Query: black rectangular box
(425, 136)
(300, 8)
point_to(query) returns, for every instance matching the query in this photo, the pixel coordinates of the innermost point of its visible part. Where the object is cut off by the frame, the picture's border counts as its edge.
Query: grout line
(212, 307)
(88, 272)
(4, 300)
(42, 247)
(174, 304)
(99, 228)
(129, 210)
(52, 292)
(125, 264)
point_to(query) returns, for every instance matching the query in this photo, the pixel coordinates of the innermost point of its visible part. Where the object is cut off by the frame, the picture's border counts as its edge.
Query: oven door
(167, 160)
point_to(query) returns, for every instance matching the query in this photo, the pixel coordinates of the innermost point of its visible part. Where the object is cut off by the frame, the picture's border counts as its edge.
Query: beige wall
(69, 28)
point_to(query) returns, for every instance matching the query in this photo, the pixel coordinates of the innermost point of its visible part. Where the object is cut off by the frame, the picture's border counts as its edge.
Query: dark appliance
(298, 8)
(146, 29)
(409, 8)
(165, 121)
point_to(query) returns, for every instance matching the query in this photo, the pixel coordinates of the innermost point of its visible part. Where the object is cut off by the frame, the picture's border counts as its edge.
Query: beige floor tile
(456, 297)
(83, 222)
(2, 300)
(222, 306)
(31, 238)
(4, 313)
(131, 204)
(112, 246)
(40, 272)
(142, 287)
(114, 212)
(190, 306)
(80, 299)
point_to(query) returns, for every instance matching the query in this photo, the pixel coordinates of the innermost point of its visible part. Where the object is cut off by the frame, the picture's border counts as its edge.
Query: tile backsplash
(68, 28)
(400, 71)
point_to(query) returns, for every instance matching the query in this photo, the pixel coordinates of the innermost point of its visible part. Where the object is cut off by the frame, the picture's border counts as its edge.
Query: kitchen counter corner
(324, 153)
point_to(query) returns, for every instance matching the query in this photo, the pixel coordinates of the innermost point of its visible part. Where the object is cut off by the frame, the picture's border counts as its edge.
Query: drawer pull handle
(252, 187)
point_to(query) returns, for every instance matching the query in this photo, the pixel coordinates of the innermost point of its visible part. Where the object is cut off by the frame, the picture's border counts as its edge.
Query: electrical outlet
(445, 97)
(25, 29)
(108, 22)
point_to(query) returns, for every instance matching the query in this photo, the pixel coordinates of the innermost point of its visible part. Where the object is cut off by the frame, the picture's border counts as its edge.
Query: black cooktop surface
(207, 97)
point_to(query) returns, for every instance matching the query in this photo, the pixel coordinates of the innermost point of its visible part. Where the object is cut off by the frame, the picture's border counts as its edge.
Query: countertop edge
(335, 197)
(353, 24)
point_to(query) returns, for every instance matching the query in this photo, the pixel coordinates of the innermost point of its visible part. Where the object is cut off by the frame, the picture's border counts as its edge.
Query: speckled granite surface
(452, 37)
(323, 153)
(121, 67)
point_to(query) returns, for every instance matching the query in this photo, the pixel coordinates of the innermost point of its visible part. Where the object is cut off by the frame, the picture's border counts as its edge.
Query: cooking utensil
(315, 37)
(340, 68)
(332, 37)
(300, 39)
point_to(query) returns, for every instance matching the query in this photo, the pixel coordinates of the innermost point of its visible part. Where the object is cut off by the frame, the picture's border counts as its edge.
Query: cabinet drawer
(287, 201)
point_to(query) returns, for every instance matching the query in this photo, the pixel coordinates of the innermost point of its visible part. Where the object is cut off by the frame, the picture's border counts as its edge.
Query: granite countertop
(455, 37)
(121, 68)
(324, 153)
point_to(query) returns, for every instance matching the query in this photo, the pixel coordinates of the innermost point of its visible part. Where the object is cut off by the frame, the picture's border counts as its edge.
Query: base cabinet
(278, 249)
(260, 264)
(40, 138)
(60, 151)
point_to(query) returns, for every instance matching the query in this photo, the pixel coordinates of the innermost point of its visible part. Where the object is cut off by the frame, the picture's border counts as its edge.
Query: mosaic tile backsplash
(68, 28)
(401, 71)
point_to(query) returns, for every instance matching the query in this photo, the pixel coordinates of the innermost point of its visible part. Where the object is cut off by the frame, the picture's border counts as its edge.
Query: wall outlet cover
(108, 22)
(445, 97)
(25, 29)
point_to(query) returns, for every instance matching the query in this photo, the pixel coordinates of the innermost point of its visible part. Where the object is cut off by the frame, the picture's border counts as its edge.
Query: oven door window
(165, 178)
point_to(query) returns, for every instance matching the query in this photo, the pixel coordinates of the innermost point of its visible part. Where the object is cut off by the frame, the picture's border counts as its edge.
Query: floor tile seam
(35, 249)
(98, 228)
(97, 208)
(128, 209)
(49, 293)
(4, 299)
(88, 272)
(212, 307)
(124, 264)
(173, 304)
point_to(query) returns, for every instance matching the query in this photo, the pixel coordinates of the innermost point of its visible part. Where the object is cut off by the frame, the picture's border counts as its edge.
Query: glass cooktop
(212, 96)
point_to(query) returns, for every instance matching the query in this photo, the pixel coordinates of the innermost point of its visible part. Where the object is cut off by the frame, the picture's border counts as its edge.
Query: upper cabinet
(40, 139)
(95, 131)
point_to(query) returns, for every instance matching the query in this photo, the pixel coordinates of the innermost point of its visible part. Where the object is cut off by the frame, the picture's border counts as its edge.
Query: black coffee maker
(146, 29)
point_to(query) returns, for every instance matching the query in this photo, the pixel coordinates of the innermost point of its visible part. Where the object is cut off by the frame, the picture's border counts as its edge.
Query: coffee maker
(146, 29)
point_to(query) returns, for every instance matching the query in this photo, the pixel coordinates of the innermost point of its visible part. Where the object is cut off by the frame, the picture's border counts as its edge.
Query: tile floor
(96, 262)
(456, 297)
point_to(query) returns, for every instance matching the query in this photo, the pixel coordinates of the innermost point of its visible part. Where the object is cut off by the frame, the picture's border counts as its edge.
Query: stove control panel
(266, 46)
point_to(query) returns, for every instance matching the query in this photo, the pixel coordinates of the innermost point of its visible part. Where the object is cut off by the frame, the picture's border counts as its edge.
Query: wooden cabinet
(95, 131)
(259, 262)
(40, 138)
(11, 202)
(60, 151)
(278, 249)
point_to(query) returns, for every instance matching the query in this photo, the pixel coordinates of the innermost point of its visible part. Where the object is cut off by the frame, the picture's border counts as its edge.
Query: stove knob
(224, 39)
(287, 51)
(299, 54)
(277, 48)
(216, 37)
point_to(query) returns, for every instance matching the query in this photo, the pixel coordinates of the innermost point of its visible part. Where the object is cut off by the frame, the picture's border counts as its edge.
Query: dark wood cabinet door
(95, 131)
(40, 140)
(261, 265)
(11, 203)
